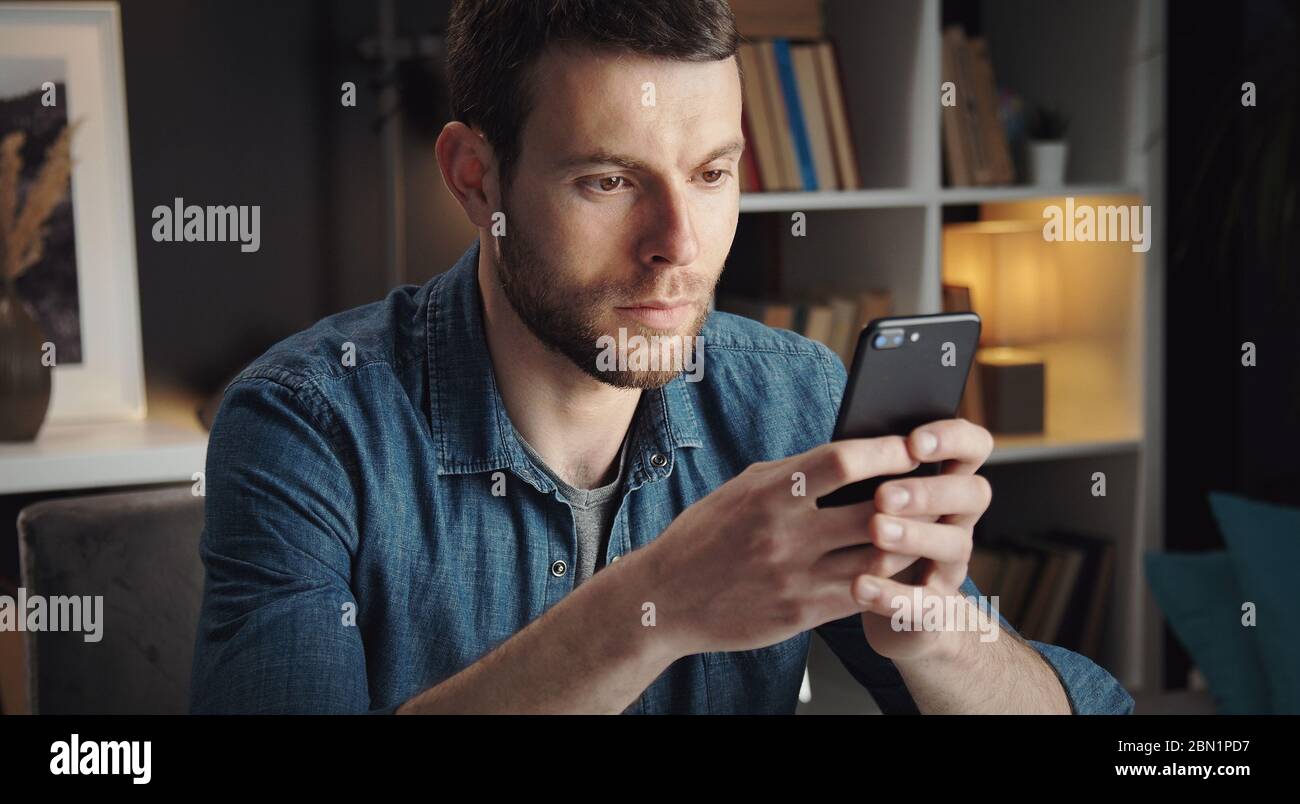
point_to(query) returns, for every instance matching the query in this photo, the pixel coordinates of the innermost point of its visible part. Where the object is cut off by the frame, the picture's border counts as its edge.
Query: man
(453, 501)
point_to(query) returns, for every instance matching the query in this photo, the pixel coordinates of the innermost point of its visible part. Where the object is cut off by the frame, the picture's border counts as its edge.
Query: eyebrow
(603, 157)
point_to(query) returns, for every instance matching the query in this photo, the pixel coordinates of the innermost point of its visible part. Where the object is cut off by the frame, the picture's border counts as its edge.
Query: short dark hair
(492, 46)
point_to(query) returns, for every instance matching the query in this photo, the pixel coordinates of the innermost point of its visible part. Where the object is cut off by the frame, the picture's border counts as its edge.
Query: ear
(469, 169)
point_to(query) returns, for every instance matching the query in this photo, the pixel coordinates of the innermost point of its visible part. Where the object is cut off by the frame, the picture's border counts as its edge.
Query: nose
(672, 240)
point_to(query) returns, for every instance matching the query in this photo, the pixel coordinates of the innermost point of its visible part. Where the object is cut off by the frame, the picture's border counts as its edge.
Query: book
(1017, 582)
(956, 140)
(1039, 603)
(978, 151)
(763, 143)
(751, 180)
(844, 315)
(1054, 586)
(819, 323)
(794, 117)
(783, 140)
(804, 60)
(872, 304)
(1066, 583)
(806, 175)
(986, 567)
(1085, 615)
(830, 80)
(779, 315)
(997, 154)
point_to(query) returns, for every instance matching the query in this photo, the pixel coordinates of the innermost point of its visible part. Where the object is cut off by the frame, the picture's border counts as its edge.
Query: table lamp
(1013, 285)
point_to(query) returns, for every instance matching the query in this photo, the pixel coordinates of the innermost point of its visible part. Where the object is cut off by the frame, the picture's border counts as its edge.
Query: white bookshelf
(1102, 62)
(168, 445)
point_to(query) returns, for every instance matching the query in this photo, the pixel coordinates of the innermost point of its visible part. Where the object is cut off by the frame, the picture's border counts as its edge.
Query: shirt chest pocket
(759, 681)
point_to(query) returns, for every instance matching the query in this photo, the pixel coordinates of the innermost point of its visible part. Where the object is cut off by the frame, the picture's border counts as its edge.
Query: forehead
(586, 99)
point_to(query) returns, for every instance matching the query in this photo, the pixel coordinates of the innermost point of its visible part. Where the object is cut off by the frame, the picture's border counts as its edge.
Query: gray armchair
(139, 550)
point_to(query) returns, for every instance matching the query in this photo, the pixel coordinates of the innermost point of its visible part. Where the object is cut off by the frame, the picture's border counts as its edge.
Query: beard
(570, 318)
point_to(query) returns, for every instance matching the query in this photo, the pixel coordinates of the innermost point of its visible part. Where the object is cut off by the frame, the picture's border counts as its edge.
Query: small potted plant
(1047, 146)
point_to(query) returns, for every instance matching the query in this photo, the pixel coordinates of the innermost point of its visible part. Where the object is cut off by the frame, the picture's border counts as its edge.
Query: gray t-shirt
(593, 511)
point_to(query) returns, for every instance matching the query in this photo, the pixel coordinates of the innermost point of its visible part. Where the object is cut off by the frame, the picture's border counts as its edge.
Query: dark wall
(239, 103)
(1232, 276)
(223, 105)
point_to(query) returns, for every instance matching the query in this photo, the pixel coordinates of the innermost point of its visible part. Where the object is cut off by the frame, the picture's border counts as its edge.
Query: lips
(657, 305)
(659, 314)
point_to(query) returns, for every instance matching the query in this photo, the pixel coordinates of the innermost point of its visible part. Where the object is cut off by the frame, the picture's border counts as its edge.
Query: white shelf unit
(1102, 62)
(168, 445)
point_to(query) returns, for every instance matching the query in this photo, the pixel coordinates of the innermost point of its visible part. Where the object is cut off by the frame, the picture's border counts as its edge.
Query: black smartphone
(905, 372)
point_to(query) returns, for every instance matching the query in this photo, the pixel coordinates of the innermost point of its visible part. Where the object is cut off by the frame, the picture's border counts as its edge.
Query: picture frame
(77, 47)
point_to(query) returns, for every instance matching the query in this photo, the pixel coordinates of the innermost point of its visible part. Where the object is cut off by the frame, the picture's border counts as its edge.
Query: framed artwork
(61, 63)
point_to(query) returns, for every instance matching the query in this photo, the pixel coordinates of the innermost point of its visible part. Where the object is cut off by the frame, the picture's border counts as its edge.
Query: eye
(721, 176)
(606, 185)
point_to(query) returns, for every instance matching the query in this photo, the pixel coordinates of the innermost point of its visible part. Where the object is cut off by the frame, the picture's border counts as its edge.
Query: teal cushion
(1199, 595)
(1264, 545)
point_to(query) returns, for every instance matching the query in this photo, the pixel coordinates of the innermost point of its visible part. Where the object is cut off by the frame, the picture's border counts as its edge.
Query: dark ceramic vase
(24, 382)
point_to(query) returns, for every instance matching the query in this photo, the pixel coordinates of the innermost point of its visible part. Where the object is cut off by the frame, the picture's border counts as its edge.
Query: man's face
(624, 202)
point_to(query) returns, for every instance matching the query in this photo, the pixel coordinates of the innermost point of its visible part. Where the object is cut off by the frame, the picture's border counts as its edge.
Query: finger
(839, 463)
(833, 528)
(964, 445)
(893, 597)
(834, 600)
(882, 595)
(944, 548)
(956, 499)
(946, 545)
(842, 566)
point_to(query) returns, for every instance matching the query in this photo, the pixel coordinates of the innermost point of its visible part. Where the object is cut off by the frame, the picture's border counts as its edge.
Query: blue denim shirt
(355, 554)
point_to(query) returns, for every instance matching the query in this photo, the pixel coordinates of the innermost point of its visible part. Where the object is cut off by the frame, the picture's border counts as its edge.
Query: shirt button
(559, 568)
(612, 560)
(659, 460)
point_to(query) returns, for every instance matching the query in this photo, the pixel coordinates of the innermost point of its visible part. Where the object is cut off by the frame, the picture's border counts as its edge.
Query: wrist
(954, 648)
(632, 593)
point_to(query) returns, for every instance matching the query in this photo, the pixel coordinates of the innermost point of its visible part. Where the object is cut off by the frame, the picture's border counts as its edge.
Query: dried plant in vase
(24, 373)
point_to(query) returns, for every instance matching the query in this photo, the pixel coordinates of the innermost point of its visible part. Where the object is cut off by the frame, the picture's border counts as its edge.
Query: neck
(575, 422)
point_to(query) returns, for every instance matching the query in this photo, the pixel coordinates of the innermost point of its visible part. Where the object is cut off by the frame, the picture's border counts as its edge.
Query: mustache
(694, 288)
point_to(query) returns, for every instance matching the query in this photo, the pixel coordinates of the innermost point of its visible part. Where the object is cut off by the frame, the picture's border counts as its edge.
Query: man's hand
(930, 518)
(757, 561)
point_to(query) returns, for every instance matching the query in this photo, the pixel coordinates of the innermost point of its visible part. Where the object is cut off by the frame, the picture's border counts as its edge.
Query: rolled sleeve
(274, 633)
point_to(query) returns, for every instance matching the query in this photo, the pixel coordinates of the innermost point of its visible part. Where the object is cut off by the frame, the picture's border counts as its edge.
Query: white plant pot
(1047, 163)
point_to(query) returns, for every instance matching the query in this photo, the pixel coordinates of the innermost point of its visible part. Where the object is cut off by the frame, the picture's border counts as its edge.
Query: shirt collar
(468, 417)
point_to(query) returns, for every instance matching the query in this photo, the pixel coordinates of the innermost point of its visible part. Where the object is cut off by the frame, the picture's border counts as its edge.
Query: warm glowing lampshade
(1012, 278)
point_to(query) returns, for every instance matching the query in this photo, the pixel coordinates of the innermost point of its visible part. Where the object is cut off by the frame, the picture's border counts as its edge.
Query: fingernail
(897, 497)
(890, 531)
(867, 591)
(926, 442)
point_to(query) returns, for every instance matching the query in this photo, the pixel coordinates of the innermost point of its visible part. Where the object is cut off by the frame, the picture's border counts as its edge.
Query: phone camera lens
(881, 340)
